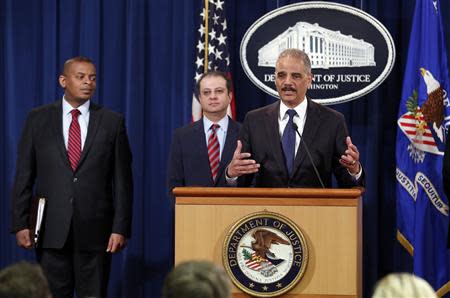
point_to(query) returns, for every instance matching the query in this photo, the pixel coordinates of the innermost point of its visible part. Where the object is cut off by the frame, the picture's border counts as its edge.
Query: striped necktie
(74, 143)
(214, 151)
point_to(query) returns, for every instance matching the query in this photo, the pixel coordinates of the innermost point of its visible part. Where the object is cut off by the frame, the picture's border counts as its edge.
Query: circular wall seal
(265, 254)
(351, 52)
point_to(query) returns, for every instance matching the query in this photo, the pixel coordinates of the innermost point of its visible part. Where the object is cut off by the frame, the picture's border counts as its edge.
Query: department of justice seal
(265, 254)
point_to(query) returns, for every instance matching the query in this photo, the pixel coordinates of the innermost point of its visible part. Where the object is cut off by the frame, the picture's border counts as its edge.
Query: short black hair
(213, 73)
(73, 60)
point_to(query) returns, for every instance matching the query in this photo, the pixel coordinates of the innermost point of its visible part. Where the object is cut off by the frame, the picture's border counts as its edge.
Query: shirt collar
(223, 123)
(84, 108)
(300, 109)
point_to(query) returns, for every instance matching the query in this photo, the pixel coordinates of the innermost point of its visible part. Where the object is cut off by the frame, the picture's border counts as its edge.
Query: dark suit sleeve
(446, 168)
(175, 175)
(244, 137)
(123, 183)
(343, 177)
(24, 179)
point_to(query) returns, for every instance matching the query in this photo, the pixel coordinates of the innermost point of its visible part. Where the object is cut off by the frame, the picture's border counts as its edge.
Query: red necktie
(74, 143)
(214, 151)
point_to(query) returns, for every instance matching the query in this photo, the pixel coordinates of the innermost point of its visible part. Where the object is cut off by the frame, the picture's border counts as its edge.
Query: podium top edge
(267, 192)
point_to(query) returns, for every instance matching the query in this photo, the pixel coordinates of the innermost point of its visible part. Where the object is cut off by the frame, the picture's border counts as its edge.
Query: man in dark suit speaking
(76, 154)
(270, 152)
(200, 151)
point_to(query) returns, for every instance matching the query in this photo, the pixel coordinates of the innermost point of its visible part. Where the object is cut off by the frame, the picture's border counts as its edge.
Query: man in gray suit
(270, 153)
(76, 154)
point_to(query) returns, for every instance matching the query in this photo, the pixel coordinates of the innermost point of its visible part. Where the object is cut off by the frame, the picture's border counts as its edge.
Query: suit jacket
(96, 199)
(446, 177)
(188, 159)
(324, 134)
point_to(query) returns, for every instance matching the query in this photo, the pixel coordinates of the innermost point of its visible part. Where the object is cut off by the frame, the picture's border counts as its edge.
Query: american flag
(212, 48)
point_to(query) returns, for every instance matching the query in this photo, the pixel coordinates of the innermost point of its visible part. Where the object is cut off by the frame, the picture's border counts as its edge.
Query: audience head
(197, 279)
(23, 280)
(403, 285)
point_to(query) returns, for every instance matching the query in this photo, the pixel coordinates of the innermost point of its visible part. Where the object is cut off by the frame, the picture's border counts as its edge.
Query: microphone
(295, 127)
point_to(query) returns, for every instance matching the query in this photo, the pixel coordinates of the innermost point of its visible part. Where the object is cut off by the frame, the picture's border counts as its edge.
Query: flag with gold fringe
(423, 120)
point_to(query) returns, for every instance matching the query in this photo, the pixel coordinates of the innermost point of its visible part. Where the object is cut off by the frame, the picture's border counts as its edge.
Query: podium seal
(265, 254)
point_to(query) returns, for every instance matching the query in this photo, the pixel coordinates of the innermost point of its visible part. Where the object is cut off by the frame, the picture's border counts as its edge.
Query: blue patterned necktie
(288, 141)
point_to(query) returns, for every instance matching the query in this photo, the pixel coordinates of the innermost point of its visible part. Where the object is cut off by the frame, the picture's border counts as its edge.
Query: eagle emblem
(424, 125)
(265, 254)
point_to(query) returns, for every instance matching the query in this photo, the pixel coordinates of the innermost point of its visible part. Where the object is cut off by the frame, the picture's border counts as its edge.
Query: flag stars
(201, 30)
(199, 62)
(216, 19)
(203, 14)
(224, 25)
(212, 34)
(218, 54)
(197, 76)
(228, 60)
(222, 39)
(219, 4)
(211, 49)
(200, 46)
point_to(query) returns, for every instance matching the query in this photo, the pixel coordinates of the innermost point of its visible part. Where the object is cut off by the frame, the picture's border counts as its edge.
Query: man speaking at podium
(294, 142)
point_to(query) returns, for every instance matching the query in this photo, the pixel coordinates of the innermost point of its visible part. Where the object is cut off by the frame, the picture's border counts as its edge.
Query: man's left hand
(350, 159)
(116, 243)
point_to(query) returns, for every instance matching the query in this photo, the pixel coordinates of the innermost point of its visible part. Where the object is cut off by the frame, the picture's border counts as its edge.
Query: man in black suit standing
(200, 151)
(270, 153)
(76, 154)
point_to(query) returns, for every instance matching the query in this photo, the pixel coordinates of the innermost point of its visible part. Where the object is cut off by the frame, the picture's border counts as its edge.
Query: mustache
(288, 88)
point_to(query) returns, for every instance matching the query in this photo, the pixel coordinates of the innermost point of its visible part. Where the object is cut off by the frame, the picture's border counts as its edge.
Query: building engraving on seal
(265, 254)
(325, 48)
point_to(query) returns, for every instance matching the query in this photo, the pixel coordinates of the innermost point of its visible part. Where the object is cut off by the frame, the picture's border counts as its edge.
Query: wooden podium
(330, 220)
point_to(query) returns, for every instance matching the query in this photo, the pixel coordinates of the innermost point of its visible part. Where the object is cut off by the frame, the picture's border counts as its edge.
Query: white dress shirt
(83, 120)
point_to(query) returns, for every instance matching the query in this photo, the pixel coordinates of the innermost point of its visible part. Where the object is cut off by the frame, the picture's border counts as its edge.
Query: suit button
(71, 200)
(75, 179)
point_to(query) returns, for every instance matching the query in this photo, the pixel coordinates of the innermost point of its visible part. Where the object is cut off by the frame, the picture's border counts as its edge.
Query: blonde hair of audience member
(23, 280)
(405, 285)
(199, 279)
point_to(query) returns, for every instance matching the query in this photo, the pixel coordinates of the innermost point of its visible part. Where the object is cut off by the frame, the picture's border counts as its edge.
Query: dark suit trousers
(69, 269)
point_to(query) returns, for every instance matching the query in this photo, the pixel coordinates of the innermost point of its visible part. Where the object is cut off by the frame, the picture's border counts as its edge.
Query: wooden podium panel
(330, 220)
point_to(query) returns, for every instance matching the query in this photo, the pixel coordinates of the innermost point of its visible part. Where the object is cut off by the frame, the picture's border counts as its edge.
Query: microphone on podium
(295, 127)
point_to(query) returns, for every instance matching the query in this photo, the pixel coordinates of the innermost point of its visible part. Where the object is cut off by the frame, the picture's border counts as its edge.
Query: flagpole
(205, 65)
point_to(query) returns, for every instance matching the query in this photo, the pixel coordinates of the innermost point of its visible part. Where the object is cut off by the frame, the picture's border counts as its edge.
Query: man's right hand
(23, 238)
(241, 164)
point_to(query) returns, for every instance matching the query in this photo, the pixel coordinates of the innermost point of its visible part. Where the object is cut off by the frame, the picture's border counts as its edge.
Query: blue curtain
(144, 54)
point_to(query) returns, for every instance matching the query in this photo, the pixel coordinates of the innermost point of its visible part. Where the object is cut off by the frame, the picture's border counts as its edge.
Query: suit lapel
(199, 138)
(57, 127)
(228, 148)
(309, 131)
(273, 134)
(95, 116)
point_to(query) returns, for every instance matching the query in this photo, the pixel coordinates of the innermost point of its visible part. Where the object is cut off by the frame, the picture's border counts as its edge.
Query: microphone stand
(295, 127)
